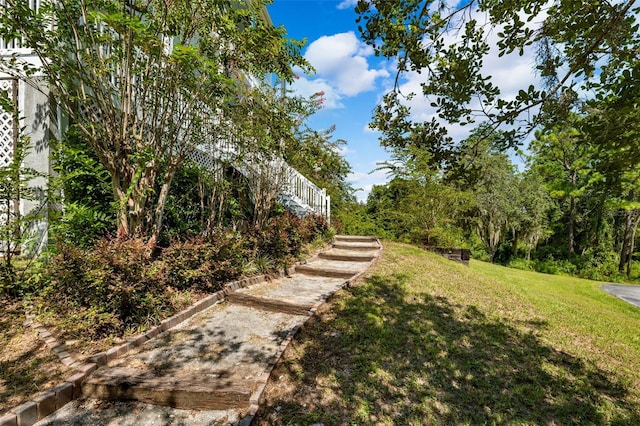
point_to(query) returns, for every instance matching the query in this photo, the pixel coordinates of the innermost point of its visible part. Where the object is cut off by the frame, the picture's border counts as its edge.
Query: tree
(490, 176)
(448, 43)
(535, 206)
(146, 83)
(417, 205)
(16, 183)
(612, 125)
(563, 156)
(316, 154)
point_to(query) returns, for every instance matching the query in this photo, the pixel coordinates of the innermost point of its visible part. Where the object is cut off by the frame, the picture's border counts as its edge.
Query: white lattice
(7, 143)
(7, 136)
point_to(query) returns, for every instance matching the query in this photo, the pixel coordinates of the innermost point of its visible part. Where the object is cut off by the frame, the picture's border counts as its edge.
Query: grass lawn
(421, 340)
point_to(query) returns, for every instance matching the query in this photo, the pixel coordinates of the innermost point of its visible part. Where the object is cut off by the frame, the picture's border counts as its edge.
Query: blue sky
(353, 79)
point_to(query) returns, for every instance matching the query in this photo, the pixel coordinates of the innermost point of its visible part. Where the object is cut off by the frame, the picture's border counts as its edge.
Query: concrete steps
(330, 268)
(355, 239)
(355, 243)
(212, 361)
(273, 305)
(323, 271)
(298, 289)
(221, 358)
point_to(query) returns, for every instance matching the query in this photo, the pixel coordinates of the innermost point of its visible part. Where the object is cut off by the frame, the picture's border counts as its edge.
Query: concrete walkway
(211, 369)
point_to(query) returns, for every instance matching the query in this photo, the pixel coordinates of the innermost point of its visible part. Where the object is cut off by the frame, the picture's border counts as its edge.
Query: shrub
(183, 215)
(88, 213)
(523, 264)
(82, 224)
(598, 264)
(108, 289)
(320, 228)
(284, 236)
(205, 264)
(8, 280)
(274, 242)
(117, 285)
(557, 267)
(354, 219)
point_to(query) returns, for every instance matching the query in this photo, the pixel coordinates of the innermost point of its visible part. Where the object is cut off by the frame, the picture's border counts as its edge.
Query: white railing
(306, 192)
(16, 45)
(294, 187)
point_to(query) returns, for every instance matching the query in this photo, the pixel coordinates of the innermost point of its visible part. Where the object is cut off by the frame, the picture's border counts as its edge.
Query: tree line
(571, 204)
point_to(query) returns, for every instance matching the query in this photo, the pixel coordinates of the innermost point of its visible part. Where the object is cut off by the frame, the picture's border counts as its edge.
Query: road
(628, 293)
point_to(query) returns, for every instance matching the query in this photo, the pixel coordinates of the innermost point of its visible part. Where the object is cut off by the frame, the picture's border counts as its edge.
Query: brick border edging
(49, 401)
(68, 359)
(254, 400)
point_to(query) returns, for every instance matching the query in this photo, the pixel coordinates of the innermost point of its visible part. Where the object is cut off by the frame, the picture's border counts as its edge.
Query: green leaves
(147, 82)
(6, 103)
(449, 45)
(17, 185)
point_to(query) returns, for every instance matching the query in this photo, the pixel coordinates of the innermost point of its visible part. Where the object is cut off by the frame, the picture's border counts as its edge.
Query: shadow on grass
(25, 364)
(389, 357)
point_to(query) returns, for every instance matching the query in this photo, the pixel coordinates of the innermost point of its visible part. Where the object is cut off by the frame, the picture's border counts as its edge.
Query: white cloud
(510, 73)
(345, 150)
(346, 4)
(364, 182)
(341, 61)
(367, 129)
(304, 86)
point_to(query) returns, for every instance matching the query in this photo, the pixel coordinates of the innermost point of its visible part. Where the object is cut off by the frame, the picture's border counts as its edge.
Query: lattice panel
(7, 125)
(89, 112)
(7, 143)
(202, 159)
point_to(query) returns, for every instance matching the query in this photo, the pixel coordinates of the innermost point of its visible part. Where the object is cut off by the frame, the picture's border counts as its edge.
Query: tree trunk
(632, 244)
(489, 235)
(624, 251)
(121, 212)
(571, 224)
(201, 197)
(159, 210)
(131, 192)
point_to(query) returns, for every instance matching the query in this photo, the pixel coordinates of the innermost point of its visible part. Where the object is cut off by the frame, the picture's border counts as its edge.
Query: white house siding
(36, 122)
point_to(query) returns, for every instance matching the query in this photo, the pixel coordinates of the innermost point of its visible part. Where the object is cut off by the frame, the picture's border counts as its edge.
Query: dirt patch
(27, 366)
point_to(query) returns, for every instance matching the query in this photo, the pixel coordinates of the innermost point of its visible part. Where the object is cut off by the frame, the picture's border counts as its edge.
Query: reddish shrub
(205, 264)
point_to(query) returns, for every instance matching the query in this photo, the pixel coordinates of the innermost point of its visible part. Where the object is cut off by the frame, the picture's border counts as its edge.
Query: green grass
(424, 341)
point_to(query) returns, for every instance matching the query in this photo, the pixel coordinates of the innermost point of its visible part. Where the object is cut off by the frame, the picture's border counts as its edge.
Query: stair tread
(297, 289)
(274, 305)
(355, 238)
(185, 391)
(346, 255)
